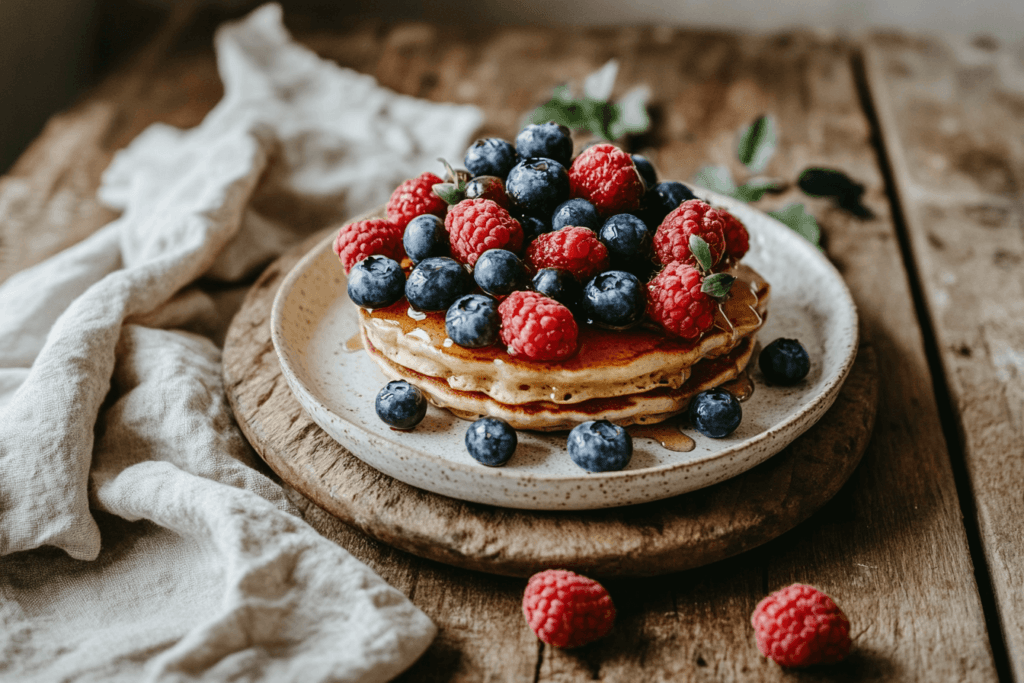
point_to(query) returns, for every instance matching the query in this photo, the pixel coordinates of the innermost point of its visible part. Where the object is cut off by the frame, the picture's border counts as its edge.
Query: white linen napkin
(204, 571)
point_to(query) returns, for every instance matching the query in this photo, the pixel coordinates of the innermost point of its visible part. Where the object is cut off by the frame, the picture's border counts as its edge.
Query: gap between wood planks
(948, 417)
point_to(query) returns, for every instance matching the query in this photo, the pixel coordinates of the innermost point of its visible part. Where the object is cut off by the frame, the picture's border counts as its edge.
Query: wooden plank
(952, 118)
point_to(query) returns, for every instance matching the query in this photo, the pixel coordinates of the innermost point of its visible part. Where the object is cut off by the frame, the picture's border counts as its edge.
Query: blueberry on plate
(626, 237)
(558, 284)
(535, 187)
(715, 413)
(575, 212)
(376, 282)
(424, 237)
(548, 140)
(491, 156)
(491, 441)
(401, 405)
(600, 446)
(436, 282)
(646, 170)
(784, 361)
(615, 299)
(473, 321)
(499, 272)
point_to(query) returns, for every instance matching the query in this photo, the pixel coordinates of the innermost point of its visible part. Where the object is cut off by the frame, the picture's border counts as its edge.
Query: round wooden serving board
(653, 538)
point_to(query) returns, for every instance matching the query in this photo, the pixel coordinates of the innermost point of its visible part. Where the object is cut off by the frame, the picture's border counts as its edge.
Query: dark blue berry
(715, 413)
(401, 405)
(600, 446)
(491, 156)
(626, 236)
(784, 361)
(376, 282)
(424, 237)
(533, 227)
(491, 441)
(548, 140)
(615, 299)
(536, 186)
(436, 282)
(558, 284)
(646, 169)
(499, 272)
(473, 321)
(667, 196)
(576, 212)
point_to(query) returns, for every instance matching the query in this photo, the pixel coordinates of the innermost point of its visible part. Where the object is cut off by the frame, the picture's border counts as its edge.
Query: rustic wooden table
(924, 548)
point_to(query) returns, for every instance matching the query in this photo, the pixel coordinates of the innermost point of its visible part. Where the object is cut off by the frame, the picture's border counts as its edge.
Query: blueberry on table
(626, 237)
(575, 212)
(491, 441)
(535, 187)
(376, 282)
(615, 299)
(491, 156)
(499, 272)
(401, 405)
(600, 446)
(560, 285)
(549, 140)
(473, 321)
(646, 170)
(784, 361)
(435, 283)
(424, 237)
(715, 413)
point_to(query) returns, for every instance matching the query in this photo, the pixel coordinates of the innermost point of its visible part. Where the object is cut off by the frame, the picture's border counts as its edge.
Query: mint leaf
(754, 189)
(449, 192)
(717, 285)
(717, 179)
(803, 223)
(757, 144)
(701, 251)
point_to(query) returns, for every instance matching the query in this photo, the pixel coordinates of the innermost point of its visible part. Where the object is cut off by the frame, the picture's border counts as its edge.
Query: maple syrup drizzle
(742, 387)
(668, 434)
(353, 344)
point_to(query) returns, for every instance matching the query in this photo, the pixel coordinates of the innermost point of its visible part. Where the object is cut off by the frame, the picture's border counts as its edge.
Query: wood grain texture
(952, 117)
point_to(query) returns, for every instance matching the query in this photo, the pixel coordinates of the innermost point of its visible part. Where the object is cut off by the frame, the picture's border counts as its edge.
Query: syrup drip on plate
(353, 344)
(742, 387)
(668, 434)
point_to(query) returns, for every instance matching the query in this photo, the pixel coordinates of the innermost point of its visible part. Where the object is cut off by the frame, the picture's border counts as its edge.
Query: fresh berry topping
(693, 217)
(567, 610)
(424, 237)
(605, 176)
(560, 285)
(667, 196)
(491, 441)
(626, 237)
(537, 327)
(414, 198)
(574, 249)
(536, 186)
(473, 321)
(435, 283)
(488, 187)
(801, 626)
(476, 225)
(548, 140)
(784, 361)
(646, 169)
(600, 446)
(376, 282)
(715, 413)
(491, 156)
(575, 212)
(737, 239)
(375, 237)
(499, 272)
(677, 302)
(615, 299)
(533, 227)
(401, 405)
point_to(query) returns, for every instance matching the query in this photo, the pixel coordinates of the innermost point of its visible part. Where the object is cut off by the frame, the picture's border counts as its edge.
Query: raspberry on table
(575, 249)
(801, 626)
(605, 176)
(677, 304)
(476, 225)
(413, 198)
(374, 237)
(536, 327)
(737, 239)
(566, 609)
(693, 217)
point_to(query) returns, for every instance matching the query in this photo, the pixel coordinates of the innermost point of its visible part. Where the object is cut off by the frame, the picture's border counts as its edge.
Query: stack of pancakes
(636, 376)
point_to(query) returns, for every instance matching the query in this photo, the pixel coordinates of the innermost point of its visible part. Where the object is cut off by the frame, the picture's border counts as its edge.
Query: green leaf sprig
(716, 285)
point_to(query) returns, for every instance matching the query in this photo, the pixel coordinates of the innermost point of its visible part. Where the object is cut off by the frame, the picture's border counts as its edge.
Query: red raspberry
(801, 626)
(574, 249)
(356, 241)
(476, 225)
(567, 610)
(413, 198)
(537, 327)
(737, 239)
(677, 304)
(605, 176)
(693, 217)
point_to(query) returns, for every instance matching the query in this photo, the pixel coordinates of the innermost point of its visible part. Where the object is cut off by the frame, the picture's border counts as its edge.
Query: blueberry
(401, 405)
(424, 237)
(646, 169)
(615, 299)
(536, 186)
(576, 212)
(473, 321)
(548, 140)
(436, 282)
(600, 446)
(376, 282)
(626, 236)
(715, 413)
(499, 272)
(533, 227)
(491, 441)
(491, 156)
(558, 284)
(784, 361)
(667, 196)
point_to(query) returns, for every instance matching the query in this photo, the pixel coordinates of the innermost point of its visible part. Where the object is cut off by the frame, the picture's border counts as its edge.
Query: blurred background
(50, 50)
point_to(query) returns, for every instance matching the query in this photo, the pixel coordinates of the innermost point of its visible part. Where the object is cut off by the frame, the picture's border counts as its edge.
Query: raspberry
(476, 225)
(737, 239)
(693, 217)
(574, 249)
(375, 237)
(677, 304)
(567, 610)
(605, 176)
(413, 198)
(537, 327)
(801, 626)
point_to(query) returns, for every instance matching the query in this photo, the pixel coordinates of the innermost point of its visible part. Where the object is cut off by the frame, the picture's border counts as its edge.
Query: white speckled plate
(313, 318)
